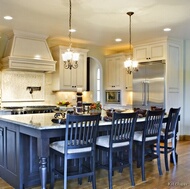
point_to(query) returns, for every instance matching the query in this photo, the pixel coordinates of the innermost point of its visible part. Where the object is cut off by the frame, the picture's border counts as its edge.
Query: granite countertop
(44, 120)
(38, 121)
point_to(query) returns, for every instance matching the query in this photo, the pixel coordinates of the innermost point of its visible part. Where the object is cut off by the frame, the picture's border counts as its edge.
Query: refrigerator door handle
(145, 93)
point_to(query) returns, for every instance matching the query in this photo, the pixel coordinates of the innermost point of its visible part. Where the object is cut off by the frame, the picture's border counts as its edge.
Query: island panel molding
(15, 83)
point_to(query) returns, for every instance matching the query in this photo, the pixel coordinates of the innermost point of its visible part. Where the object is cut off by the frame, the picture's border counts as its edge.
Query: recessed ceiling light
(72, 30)
(118, 40)
(167, 29)
(8, 17)
(37, 56)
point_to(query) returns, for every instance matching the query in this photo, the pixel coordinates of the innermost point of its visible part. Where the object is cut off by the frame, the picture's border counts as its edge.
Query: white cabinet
(66, 79)
(116, 75)
(128, 81)
(113, 72)
(150, 52)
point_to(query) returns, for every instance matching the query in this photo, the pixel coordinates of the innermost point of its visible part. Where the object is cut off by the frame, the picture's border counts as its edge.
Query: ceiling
(98, 22)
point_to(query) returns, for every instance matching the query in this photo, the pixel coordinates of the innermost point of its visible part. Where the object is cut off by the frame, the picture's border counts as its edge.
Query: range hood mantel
(27, 51)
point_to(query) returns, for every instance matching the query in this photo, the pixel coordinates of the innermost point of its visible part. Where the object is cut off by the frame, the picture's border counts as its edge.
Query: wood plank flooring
(177, 178)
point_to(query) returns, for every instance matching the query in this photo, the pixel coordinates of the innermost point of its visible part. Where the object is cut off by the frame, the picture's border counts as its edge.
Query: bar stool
(168, 134)
(119, 140)
(149, 137)
(79, 144)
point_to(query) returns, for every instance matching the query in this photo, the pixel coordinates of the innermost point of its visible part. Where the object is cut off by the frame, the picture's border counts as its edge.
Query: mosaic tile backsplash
(13, 90)
(15, 83)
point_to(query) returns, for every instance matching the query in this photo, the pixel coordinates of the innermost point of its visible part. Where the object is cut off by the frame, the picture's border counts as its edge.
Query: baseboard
(184, 137)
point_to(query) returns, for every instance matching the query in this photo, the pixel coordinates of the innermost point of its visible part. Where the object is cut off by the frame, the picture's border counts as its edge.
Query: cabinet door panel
(67, 76)
(78, 74)
(1, 146)
(157, 52)
(117, 68)
(109, 72)
(128, 81)
(114, 67)
(141, 53)
(150, 52)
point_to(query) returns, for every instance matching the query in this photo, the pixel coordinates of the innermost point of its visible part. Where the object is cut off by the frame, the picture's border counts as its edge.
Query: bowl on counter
(141, 112)
(109, 112)
(155, 108)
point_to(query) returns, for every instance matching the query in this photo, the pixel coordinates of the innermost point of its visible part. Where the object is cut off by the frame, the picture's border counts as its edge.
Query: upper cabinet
(66, 79)
(150, 52)
(116, 76)
(113, 72)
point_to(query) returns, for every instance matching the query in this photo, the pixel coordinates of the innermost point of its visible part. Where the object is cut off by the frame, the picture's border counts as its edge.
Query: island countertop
(42, 120)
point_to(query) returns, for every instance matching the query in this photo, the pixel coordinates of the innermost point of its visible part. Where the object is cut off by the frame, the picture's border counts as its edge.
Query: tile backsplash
(15, 84)
(14, 93)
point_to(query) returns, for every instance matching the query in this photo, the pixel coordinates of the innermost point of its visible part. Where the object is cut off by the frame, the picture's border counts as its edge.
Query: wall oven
(113, 97)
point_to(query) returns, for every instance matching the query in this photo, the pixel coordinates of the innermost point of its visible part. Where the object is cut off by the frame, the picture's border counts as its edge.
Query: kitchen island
(24, 147)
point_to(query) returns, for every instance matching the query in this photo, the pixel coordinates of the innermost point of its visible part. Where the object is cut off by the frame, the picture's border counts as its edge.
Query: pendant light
(130, 64)
(70, 58)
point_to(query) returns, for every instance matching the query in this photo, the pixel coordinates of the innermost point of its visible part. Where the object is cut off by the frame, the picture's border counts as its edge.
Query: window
(98, 85)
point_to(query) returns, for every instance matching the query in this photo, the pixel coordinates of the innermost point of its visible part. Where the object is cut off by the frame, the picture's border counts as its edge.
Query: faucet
(31, 89)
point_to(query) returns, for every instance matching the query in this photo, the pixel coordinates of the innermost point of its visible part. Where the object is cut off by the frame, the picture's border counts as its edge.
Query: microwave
(113, 97)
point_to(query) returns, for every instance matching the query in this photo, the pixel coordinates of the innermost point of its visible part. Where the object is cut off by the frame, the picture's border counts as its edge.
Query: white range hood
(27, 51)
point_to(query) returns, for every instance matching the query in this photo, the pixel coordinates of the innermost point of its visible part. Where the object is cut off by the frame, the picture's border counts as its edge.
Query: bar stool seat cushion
(60, 146)
(138, 136)
(163, 132)
(104, 141)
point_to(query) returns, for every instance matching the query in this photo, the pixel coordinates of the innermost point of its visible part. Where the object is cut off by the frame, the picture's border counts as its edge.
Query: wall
(186, 126)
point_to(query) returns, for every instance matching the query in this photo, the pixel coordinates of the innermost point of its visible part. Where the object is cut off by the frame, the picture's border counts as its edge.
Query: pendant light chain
(130, 14)
(70, 58)
(70, 7)
(130, 64)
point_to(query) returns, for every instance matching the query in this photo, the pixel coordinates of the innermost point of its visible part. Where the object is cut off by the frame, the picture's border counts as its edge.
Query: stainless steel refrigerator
(149, 85)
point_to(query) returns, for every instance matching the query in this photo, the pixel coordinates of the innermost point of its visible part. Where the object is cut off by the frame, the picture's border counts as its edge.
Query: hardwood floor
(177, 177)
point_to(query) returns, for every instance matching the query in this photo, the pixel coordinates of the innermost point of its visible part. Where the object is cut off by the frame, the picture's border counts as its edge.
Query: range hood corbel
(27, 51)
